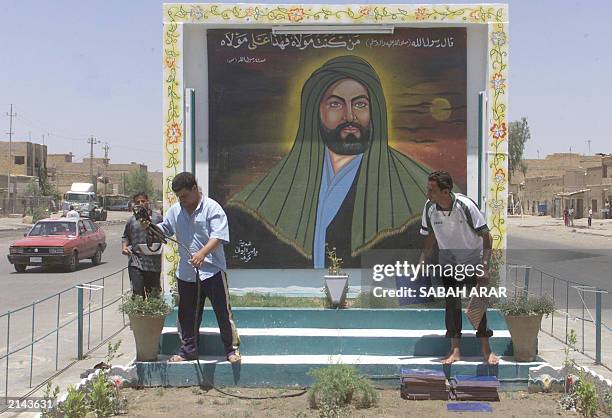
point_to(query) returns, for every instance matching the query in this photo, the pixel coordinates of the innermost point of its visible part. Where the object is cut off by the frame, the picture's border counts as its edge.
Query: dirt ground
(192, 402)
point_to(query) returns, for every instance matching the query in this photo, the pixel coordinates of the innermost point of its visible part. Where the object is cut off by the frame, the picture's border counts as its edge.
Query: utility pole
(588, 141)
(106, 149)
(92, 141)
(11, 115)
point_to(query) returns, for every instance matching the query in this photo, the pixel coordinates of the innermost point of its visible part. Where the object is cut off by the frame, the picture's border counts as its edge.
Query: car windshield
(76, 197)
(53, 228)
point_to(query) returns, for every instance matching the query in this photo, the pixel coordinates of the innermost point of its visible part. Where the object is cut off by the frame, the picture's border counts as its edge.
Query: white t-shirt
(72, 214)
(458, 231)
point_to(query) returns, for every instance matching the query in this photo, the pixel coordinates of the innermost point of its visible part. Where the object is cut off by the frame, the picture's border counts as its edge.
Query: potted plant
(336, 282)
(147, 316)
(523, 315)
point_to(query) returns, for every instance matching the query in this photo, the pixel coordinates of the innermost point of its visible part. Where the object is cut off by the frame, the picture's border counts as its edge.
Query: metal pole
(59, 296)
(8, 339)
(527, 273)
(89, 319)
(582, 327)
(122, 313)
(102, 313)
(552, 317)
(79, 323)
(598, 327)
(32, 343)
(566, 309)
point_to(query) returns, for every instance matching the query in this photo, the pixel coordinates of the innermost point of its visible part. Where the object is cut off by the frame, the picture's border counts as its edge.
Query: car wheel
(20, 268)
(97, 258)
(72, 262)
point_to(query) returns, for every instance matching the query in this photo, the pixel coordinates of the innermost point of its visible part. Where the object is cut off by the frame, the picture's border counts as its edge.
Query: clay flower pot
(524, 331)
(147, 330)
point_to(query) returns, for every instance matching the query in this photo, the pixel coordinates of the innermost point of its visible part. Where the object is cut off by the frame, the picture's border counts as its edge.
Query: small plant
(104, 396)
(571, 346)
(524, 305)
(152, 304)
(608, 400)
(335, 263)
(336, 387)
(111, 352)
(586, 395)
(75, 404)
(50, 393)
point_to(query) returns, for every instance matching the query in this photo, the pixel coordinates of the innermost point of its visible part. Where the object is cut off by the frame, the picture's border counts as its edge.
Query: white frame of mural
(494, 16)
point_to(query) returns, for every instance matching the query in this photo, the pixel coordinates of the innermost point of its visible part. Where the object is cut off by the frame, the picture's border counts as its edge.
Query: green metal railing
(587, 300)
(91, 298)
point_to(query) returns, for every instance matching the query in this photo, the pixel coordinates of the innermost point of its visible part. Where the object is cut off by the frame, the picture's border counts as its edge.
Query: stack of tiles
(418, 384)
(475, 388)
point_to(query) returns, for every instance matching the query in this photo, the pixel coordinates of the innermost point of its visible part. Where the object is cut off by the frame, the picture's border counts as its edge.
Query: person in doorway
(144, 265)
(454, 223)
(200, 223)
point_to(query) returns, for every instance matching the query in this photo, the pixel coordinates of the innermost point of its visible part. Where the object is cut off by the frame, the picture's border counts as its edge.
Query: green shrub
(586, 395)
(100, 397)
(523, 305)
(37, 214)
(75, 404)
(336, 387)
(152, 304)
(103, 397)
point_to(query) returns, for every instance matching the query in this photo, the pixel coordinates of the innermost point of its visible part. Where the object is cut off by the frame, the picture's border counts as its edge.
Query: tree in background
(41, 187)
(139, 181)
(518, 136)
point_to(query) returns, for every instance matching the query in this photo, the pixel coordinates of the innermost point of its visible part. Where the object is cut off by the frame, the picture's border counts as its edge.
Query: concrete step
(291, 370)
(410, 319)
(326, 341)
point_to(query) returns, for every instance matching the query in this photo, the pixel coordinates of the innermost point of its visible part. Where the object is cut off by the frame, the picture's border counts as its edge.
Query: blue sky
(73, 69)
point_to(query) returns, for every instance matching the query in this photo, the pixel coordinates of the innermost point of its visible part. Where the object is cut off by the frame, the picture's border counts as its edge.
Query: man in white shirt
(72, 213)
(455, 223)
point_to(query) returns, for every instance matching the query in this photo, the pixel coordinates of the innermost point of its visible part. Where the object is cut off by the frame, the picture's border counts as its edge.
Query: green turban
(391, 188)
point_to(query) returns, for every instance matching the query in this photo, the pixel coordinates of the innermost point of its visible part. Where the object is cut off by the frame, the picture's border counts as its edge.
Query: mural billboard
(326, 140)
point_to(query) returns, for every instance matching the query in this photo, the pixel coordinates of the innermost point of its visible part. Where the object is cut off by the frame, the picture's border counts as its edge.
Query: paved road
(581, 258)
(19, 289)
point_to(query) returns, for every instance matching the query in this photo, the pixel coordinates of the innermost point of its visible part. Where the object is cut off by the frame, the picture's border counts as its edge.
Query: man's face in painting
(345, 117)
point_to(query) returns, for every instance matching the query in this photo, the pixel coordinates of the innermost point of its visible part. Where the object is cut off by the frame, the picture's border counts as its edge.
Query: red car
(58, 242)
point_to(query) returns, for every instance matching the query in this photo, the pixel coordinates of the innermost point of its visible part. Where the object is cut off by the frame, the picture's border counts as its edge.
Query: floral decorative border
(497, 183)
(173, 128)
(317, 13)
(493, 15)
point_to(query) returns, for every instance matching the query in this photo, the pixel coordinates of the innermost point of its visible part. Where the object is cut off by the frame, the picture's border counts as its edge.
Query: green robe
(391, 188)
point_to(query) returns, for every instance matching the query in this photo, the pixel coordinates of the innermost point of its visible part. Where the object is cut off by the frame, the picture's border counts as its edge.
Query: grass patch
(363, 300)
(266, 300)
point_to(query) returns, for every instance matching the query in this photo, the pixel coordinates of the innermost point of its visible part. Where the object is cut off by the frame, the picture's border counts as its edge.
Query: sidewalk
(599, 227)
(72, 375)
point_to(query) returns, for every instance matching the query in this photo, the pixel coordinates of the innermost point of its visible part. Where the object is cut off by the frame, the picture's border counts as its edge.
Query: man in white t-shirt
(455, 223)
(72, 213)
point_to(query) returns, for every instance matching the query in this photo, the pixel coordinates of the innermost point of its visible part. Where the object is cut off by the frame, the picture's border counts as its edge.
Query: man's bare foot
(176, 358)
(452, 357)
(491, 358)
